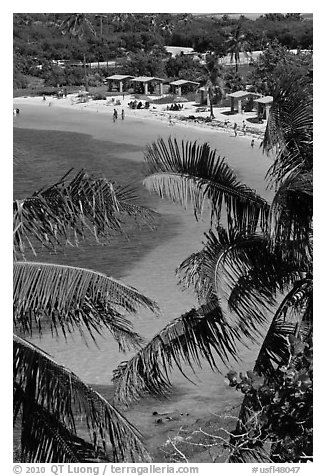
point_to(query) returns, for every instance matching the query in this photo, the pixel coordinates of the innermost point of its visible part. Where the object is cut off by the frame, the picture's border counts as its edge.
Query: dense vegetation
(136, 42)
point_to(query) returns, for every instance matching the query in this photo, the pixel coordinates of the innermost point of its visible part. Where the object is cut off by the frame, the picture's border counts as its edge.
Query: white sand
(156, 112)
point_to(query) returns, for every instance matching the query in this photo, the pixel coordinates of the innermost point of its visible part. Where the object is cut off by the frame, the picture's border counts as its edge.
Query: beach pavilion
(177, 86)
(263, 106)
(120, 79)
(240, 96)
(146, 81)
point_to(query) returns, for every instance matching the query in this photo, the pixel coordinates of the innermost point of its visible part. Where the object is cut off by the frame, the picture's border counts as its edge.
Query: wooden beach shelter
(263, 106)
(145, 81)
(118, 79)
(178, 87)
(239, 96)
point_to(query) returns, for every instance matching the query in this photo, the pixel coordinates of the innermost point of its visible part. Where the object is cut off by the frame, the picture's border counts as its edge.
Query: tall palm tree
(214, 82)
(50, 401)
(76, 25)
(237, 43)
(255, 252)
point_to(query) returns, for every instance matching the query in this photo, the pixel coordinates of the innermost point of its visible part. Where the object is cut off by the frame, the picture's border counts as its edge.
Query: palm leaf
(45, 439)
(228, 267)
(240, 267)
(198, 334)
(291, 215)
(62, 397)
(290, 127)
(76, 25)
(69, 297)
(192, 173)
(295, 308)
(67, 212)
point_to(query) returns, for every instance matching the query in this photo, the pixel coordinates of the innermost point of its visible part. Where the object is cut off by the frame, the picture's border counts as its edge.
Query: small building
(148, 84)
(241, 97)
(182, 86)
(121, 80)
(263, 106)
(174, 51)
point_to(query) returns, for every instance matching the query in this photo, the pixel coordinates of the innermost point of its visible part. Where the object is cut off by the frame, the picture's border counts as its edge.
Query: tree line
(139, 39)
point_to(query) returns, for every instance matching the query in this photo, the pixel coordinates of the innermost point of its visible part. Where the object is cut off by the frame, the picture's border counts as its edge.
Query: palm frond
(63, 396)
(44, 439)
(294, 310)
(225, 266)
(67, 212)
(241, 267)
(291, 213)
(69, 297)
(76, 25)
(289, 129)
(197, 272)
(192, 174)
(201, 333)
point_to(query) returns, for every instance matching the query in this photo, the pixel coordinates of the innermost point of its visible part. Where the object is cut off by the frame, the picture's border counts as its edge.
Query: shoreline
(157, 113)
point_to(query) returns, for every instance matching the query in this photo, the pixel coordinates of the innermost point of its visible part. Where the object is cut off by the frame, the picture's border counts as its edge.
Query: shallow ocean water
(53, 140)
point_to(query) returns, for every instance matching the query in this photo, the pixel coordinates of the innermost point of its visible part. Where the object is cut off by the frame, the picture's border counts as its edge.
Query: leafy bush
(278, 413)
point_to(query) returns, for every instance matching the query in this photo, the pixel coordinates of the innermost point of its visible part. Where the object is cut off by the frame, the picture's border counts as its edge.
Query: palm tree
(76, 25)
(255, 252)
(214, 82)
(50, 401)
(237, 43)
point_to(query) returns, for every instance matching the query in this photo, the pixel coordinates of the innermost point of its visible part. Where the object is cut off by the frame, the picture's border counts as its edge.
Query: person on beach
(44, 98)
(235, 127)
(244, 128)
(115, 115)
(252, 143)
(122, 114)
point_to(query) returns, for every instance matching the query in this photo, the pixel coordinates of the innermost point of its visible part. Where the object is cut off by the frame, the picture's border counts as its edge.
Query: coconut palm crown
(237, 43)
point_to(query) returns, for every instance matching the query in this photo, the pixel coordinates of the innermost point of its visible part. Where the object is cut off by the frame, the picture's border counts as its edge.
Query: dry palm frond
(55, 394)
(71, 297)
(192, 174)
(198, 334)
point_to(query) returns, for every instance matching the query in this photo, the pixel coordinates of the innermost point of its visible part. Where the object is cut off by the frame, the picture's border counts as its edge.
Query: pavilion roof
(146, 79)
(242, 94)
(265, 100)
(181, 82)
(119, 77)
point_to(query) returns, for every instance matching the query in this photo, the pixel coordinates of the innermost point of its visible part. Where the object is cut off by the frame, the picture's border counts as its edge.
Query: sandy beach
(159, 112)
